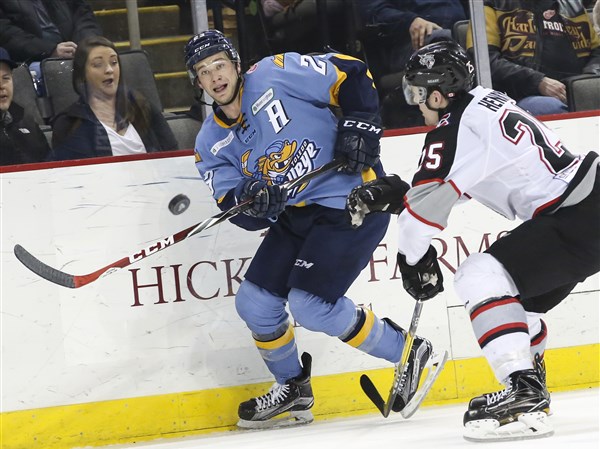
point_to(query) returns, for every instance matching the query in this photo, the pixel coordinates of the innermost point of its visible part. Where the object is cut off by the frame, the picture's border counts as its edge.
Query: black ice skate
(481, 401)
(294, 397)
(409, 382)
(517, 412)
(540, 365)
(405, 396)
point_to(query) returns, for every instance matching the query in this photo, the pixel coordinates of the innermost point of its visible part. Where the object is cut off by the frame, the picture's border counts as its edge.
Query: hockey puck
(179, 204)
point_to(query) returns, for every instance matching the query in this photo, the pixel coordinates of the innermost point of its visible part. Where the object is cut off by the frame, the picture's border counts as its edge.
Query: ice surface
(575, 417)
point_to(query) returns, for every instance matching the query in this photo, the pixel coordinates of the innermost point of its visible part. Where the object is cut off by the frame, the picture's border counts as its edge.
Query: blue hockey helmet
(205, 44)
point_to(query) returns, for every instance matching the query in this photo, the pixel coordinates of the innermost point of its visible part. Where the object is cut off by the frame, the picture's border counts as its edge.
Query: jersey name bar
(494, 101)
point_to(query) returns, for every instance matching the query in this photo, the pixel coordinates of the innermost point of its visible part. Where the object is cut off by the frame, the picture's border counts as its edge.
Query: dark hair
(130, 106)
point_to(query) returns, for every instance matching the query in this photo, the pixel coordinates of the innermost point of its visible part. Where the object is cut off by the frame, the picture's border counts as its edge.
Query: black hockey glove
(268, 200)
(380, 195)
(423, 280)
(358, 143)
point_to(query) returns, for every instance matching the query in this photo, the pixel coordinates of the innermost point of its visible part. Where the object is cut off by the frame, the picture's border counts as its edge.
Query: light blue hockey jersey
(287, 128)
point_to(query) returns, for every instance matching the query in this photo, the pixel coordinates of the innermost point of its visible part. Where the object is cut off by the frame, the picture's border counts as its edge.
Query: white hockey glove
(380, 195)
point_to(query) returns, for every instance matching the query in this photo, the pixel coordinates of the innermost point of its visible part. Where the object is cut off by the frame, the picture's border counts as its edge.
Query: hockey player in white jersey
(272, 125)
(487, 149)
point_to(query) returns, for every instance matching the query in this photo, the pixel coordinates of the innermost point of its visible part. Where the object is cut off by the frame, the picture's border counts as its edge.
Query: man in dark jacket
(21, 140)
(404, 26)
(534, 45)
(33, 30)
(412, 23)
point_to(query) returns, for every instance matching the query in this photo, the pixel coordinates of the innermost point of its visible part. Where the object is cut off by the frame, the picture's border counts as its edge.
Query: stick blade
(371, 391)
(43, 270)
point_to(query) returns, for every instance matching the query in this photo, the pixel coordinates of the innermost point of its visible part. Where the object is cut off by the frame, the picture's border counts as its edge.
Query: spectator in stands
(108, 119)
(34, 30)
(403, 26)
(411, 23)
(535, 45)
(37, 29)
(21, 140)
(295, 25)
(466, 7)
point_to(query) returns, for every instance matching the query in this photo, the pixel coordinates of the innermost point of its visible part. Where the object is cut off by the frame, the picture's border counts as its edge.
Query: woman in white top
(108, 119)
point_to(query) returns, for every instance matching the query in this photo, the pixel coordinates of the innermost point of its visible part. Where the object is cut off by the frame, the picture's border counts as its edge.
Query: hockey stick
(367, 384)
(410, 408)
(76, 281)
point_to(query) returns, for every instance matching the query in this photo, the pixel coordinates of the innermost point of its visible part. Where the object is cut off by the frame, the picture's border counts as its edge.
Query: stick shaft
(408, 344)
(75, 281)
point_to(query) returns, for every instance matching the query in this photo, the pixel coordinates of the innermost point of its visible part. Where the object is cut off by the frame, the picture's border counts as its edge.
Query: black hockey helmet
(444, 66)
(205, 44)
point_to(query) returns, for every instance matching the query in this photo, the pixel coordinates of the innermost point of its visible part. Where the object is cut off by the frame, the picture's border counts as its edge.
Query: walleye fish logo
(282, 161)
(273, 166)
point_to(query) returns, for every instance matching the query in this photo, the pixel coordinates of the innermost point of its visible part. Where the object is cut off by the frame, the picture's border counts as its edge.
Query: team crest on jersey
(427, 60)
(282, 161)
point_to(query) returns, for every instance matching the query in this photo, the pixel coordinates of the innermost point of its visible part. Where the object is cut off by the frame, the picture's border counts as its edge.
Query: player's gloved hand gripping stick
(267, 200)
(422, 281)
(76, 281)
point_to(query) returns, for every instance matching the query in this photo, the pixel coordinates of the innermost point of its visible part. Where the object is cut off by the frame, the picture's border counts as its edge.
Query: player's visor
(414, 95)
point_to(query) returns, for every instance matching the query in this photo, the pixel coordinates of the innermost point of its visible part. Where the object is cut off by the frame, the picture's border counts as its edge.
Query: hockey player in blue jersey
(271, 125)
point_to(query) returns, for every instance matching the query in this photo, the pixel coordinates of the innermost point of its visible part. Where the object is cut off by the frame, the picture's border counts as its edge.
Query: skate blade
(434, 365)
(528, 426)
(295, 418)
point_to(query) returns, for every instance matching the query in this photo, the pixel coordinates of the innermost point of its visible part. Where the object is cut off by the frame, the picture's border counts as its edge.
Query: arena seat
(58, 75)
(25, 94)
(459, 32)
(185, 130)
(139, 76)
(583, 92)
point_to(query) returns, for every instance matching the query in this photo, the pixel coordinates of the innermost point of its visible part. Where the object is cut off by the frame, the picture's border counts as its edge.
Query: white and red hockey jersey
(488, 149)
